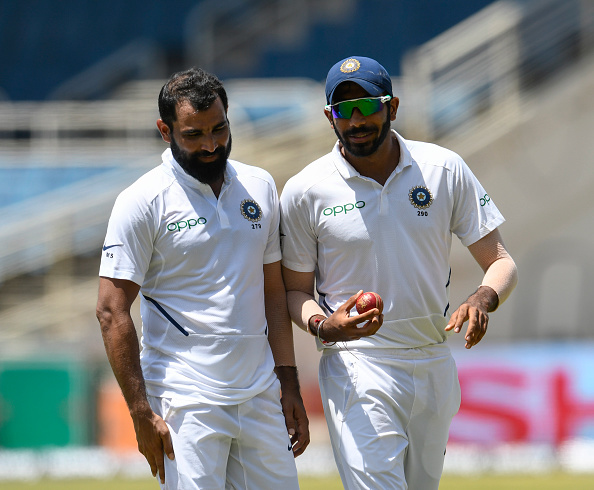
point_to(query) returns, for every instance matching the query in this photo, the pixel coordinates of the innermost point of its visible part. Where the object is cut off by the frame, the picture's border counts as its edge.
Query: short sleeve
(299, 241)
(128, 245)
(475, 214)
(272, 253)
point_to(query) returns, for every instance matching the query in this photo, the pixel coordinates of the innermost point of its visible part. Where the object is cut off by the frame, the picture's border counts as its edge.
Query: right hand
(154, 440)
(340, 326)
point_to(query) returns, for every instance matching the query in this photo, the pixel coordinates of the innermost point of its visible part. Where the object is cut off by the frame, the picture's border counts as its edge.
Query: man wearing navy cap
(377, 213)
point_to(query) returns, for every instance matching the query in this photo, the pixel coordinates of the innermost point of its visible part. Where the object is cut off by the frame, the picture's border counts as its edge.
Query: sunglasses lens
(339, 111)
(344, 110)
(369, 106)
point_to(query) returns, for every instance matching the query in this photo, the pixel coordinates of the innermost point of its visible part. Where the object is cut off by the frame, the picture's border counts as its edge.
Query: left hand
(296, 422)
(293, 409)
(474, 311)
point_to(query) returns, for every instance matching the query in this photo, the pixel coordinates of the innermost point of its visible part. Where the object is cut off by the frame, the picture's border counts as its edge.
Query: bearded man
(198, 237)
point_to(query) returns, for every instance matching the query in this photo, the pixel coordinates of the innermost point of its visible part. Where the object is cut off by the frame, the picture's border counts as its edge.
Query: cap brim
(369, 87)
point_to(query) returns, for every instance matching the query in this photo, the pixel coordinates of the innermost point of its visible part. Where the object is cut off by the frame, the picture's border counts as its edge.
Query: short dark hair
(195, 85)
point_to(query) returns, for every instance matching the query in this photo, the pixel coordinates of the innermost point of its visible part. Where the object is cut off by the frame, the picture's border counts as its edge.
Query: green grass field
(554, 481)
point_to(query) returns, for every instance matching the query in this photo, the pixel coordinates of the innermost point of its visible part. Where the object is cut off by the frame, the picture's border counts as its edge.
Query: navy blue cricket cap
(363, 71)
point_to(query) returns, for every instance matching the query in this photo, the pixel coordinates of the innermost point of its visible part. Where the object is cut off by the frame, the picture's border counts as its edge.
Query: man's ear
(164, 130)
(394, 103)
(328, 115)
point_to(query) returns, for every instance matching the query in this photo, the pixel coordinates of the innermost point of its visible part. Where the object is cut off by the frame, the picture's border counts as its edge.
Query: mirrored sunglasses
(367, 106)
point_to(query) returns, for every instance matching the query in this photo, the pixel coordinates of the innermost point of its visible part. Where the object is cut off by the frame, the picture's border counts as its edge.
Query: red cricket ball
(369, 301)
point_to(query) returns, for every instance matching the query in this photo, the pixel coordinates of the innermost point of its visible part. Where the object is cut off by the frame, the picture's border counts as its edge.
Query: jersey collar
(348, 171)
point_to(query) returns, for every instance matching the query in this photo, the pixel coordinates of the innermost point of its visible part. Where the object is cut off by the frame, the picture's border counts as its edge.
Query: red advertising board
(527, 393)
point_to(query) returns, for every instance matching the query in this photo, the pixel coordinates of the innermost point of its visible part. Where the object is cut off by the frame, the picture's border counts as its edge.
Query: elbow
(514, 276)
(104, 316)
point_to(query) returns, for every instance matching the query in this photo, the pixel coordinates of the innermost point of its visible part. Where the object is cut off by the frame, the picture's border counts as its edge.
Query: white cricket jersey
(393, 239)
(199, 262)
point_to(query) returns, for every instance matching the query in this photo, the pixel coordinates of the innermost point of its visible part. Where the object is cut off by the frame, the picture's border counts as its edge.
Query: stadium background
(506, 84)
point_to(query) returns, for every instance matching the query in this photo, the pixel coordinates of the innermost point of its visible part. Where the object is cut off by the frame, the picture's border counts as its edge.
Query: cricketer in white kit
(377, 214)
(203, 250)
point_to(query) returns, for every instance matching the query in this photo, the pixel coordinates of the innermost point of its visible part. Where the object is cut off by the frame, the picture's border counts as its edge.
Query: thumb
(290, 424)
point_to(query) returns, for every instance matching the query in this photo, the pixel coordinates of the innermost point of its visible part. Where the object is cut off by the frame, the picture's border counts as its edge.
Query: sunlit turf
(554, 481)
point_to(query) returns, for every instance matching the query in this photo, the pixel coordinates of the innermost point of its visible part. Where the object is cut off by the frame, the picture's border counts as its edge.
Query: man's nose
(209, 143)
(357, 118)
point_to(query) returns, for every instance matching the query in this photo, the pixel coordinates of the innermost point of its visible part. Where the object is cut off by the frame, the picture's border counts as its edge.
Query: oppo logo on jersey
(485, 200)
(345, 208)
(185, 225)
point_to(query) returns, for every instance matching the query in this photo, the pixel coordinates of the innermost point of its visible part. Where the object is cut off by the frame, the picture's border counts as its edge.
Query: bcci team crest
(251, 210)
(350, 65)
(420, 197)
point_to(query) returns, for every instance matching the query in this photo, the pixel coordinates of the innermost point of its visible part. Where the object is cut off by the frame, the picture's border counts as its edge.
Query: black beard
(193, 165)
(365, 149)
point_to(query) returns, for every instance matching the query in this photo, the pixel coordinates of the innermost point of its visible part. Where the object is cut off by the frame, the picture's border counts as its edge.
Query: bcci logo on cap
(251, 210)
(350, 65)
(420, 197)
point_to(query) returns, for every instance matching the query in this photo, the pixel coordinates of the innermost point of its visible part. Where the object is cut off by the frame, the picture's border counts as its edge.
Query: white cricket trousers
(233, 447)
(388, 413)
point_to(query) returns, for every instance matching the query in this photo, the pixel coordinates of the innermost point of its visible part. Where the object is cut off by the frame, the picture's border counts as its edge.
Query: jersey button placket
(383, 202)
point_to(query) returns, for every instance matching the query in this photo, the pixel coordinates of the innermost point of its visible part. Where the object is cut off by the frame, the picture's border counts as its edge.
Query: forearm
(501, 277)
(302, 306)
(121, 345)
(123, 353)
(280, 329)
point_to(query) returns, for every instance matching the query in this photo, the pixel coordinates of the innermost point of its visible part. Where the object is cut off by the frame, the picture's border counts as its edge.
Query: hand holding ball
(369, 301)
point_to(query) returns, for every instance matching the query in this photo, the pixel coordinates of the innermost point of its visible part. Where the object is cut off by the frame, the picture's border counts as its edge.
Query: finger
(473, 331)
(161, 466)
(480, 329)
(168, 445)
(372, 326)
(453, 319)
(470, 332)
(350, 303)
(301, 439)
(300, 446)
(290, 423)
(375, 326)
(451, 322)
(461, 318)
(152, 464)
(469, 338)
(368, 316)
(304, 438)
